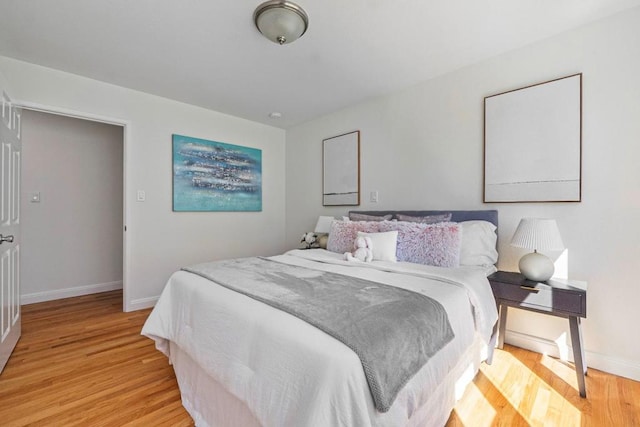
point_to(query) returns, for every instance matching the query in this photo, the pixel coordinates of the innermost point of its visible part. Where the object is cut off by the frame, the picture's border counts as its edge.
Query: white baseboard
(141, 303)
(613, 365)
(76, 291)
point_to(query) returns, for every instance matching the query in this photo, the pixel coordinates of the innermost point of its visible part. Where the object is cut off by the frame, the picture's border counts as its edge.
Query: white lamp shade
(324, 224)
(538, 234)
(281, 22)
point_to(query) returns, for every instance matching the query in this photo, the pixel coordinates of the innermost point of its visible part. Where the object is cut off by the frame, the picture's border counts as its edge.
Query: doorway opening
(73, 205)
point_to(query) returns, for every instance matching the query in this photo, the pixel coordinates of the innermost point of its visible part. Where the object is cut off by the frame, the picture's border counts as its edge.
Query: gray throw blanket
(393, 331)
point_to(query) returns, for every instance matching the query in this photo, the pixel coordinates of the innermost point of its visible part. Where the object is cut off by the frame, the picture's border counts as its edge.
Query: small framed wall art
(210, 176)
(533, 143)
(341, 170)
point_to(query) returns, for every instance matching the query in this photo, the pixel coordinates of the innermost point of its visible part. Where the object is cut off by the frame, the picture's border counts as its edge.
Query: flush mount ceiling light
(281, 21)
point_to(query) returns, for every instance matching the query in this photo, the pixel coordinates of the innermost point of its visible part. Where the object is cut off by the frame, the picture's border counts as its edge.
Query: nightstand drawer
(542, 297)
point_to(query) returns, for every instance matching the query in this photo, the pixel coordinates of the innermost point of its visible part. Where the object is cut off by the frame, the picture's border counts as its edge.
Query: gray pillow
(428, 219)
(362, 217)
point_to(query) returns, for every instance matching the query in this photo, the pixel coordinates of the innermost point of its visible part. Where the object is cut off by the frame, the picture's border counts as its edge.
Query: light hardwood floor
(82, 362)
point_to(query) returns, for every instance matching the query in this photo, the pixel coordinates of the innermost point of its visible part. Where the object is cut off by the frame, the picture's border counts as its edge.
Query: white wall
(72, 238)
(4, 85)
(160, 241)
(422, 148)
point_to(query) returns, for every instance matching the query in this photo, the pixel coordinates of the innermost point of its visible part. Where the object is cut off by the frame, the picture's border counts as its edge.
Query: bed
(242, 362)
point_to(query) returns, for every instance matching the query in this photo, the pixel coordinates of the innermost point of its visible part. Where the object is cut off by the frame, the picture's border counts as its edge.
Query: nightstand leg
(578, 353)
(503, 325)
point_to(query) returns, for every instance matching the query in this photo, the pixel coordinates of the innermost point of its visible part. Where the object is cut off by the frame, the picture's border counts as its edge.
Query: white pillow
(383, 244)
(478, 246)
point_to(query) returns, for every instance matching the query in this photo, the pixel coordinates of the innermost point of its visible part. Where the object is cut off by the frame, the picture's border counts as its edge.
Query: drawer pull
(530, 289)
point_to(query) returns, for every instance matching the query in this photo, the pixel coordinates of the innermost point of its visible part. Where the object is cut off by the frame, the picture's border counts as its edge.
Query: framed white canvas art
(533, 143)
(341, 170)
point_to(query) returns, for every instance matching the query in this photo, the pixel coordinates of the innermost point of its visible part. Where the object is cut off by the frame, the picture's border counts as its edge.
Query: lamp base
(537, 267)
(322, 240)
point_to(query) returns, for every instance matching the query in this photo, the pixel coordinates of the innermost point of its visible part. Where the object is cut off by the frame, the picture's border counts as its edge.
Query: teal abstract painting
(210, 176)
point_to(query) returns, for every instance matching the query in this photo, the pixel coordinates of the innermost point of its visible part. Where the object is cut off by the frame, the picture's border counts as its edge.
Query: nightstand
(557, 297)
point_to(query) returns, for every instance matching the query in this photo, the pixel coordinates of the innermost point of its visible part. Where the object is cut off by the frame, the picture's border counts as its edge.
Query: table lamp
(537, 234)
(323, 227)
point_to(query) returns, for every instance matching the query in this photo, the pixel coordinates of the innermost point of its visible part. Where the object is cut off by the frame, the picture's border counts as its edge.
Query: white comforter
(290, 373)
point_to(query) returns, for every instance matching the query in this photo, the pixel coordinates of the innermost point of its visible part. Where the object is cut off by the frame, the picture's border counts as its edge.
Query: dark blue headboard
(456, 216)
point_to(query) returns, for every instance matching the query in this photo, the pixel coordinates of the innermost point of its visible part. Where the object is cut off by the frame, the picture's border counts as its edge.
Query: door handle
(8, 239)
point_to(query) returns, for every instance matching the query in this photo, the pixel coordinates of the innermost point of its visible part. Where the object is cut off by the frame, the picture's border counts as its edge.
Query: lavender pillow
(364, 217)
(428, 219)
(343, 233)
(429, 244)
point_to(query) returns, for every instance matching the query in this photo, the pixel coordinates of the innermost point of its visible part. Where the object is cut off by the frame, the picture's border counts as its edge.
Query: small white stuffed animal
(362, 250)
(309, 239)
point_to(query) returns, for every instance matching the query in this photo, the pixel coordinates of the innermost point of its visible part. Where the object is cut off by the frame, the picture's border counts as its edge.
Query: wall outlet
(373, 197)
(34, 197)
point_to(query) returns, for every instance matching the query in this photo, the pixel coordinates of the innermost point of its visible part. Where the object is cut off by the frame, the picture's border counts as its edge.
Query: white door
(10, 150)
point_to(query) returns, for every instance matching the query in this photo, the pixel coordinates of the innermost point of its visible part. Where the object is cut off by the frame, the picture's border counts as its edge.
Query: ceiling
(208, 53)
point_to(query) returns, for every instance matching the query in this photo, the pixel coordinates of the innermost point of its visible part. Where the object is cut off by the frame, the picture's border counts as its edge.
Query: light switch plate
(141, 196)
(373, 197)
(34, 197)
